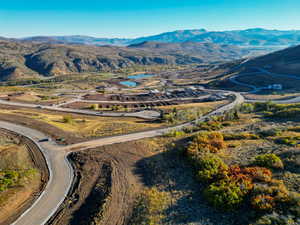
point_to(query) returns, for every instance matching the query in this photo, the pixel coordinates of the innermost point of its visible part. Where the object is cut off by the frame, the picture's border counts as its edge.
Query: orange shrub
(263, 202)
(207, 142)
(258, 173)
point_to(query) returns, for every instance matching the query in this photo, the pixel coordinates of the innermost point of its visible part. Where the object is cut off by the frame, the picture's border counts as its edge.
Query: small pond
(129, 83)
(135, 77)
(140, 76)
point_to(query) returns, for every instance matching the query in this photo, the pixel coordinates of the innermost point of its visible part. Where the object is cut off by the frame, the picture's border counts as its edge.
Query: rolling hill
(286, 61)
(208, 52)
(30, 59)
(77, 39)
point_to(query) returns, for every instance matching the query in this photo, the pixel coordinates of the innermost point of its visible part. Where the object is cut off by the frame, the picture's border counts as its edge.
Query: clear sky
(132, 18)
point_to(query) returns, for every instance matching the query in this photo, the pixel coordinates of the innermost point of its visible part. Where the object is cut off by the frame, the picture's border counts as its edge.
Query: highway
(61, 172)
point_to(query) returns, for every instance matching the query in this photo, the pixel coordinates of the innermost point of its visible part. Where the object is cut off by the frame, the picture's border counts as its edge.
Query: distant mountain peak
(249, 37)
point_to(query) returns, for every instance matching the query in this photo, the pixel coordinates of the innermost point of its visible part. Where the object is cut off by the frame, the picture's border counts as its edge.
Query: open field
(74, 128)
(84, 126)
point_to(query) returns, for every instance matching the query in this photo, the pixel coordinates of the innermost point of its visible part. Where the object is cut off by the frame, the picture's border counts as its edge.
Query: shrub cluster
(234, 186)
(270, 133)
(150, 207)
(225, 194)
(11, 178)
(209, 167)
(230, 186)
(240, 136)
(287, 140)
(268, 160)
(210, 125)
(68, 119)
(8, 179)
(175, 133)
(278, 111)
(247, 107)
(207, 142)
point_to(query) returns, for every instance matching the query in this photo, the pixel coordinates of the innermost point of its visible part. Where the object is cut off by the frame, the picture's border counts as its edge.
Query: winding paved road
(61, 172)
(146, 114)
(257, 89)
(60, 179)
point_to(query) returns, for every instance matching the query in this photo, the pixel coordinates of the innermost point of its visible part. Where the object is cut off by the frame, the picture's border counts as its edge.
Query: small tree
(68, 119)
(94, 107)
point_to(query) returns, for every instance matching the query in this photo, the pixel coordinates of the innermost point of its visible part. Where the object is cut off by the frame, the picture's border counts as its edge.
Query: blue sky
(133, 18)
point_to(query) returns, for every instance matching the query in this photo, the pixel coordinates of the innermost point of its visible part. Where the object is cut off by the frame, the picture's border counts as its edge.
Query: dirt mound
(106, 185)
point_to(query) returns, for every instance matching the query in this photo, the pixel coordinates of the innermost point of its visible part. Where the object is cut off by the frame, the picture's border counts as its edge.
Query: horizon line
(139, 36)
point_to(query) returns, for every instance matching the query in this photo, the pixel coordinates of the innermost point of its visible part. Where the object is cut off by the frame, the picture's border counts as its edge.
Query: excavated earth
(106, 186)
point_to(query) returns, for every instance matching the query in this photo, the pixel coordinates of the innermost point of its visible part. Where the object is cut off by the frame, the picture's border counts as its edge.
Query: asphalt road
(61, 173)
(145, 114)
(61, 176)
(257, 89)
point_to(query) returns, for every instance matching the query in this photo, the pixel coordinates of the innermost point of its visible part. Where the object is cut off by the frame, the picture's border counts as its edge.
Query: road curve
(61, 172)
(146, 114)
(255, 88)
(277, 101)
(60, 177)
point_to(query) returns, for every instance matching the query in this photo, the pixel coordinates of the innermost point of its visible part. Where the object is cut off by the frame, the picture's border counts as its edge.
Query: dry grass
(88, 126)
(205, 106)
(271, 96)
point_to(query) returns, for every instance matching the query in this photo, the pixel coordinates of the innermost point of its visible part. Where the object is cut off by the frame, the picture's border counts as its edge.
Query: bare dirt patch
(106, 185)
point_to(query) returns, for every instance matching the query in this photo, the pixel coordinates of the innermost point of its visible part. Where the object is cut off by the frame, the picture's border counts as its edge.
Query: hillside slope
(286, 61)
(23, 60)
(206, 51)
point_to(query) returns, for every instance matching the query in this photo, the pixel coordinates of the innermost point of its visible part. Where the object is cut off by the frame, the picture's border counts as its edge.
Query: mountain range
(19, 60)
(248, 37)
